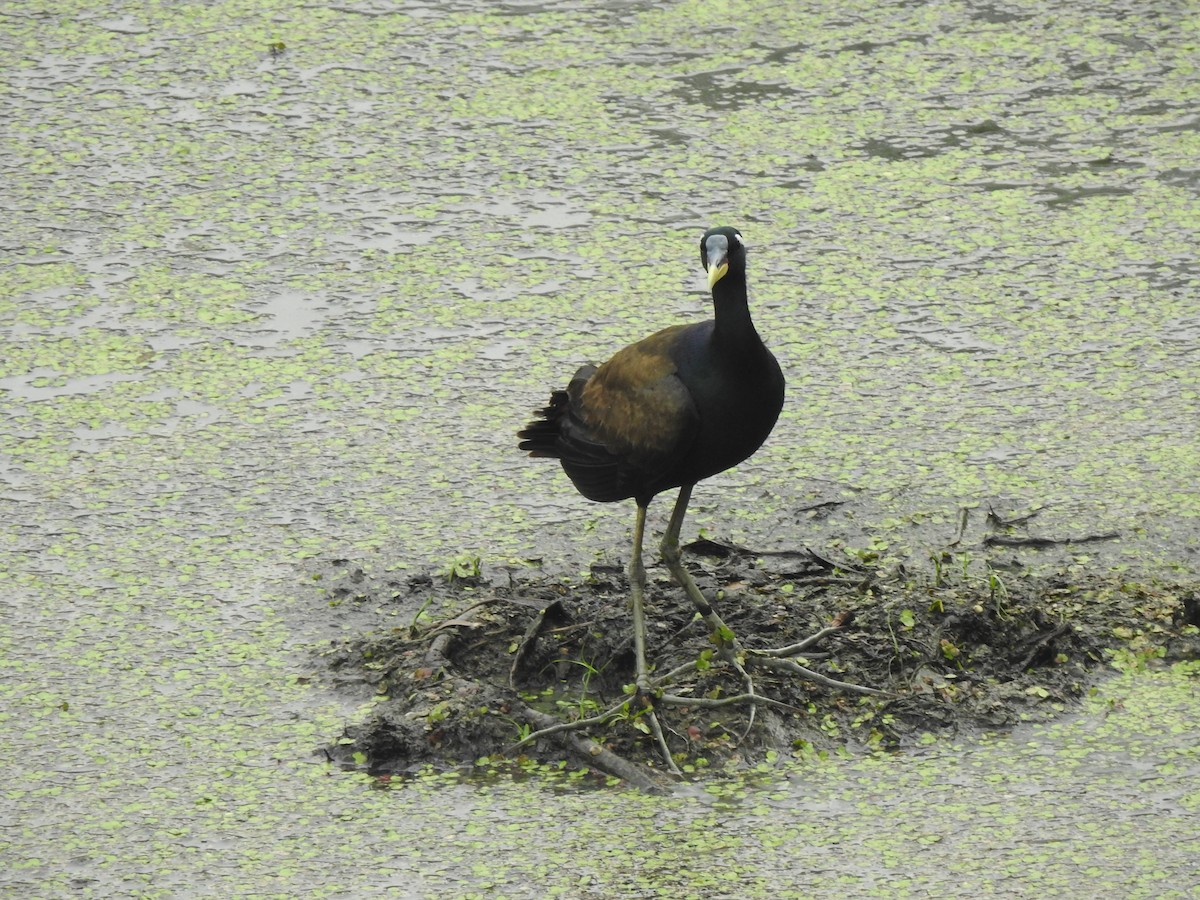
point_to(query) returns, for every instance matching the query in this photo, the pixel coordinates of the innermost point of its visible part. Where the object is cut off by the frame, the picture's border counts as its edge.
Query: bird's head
(722, 250)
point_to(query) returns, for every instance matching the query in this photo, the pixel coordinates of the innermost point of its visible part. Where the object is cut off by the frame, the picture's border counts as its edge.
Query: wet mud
(479, 663)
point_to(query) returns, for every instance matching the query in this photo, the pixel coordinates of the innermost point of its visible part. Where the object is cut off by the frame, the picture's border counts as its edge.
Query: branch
(589, 751)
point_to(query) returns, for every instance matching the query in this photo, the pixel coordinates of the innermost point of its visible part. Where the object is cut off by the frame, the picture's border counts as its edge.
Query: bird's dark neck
(734, 326)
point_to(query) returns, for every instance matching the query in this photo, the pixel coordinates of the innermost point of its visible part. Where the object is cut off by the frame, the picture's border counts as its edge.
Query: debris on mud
(479, 664)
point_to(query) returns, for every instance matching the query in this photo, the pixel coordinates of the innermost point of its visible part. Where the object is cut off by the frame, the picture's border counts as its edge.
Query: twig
(794, 668)
(1000, 540)
(455, 621)
(664, 680)
(591, 752)
(706, 703)
(1041, 642)
(529, 640)
(435, 656)
(796, 649)
(656, 730)
(831, 564)
(551, 726)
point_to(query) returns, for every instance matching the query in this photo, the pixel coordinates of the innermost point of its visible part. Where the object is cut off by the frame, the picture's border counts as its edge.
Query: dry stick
(1040, 643)
(787, 665)
(657, 731)
(454, 621)
(825, 581)
(796, 649)
(664, 680)
(528, 642)
(555, 726)
(705, 703)
(831, 564)
(589, 750)
(435, 656)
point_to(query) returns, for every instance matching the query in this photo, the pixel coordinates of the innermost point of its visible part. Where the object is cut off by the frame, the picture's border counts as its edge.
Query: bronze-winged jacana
(683, 404)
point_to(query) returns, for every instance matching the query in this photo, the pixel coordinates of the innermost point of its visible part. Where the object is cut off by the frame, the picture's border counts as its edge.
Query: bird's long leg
(673, 557)
(727, 642)
(637, 592)
(730, 647)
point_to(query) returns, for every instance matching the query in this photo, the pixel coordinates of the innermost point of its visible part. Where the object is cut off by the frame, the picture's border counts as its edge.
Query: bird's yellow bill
(716, 272)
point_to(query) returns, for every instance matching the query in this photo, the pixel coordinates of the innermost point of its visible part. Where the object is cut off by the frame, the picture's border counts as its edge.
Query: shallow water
(260, 308)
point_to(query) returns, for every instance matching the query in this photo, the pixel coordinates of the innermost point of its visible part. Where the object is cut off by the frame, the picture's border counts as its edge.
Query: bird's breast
(738, 400)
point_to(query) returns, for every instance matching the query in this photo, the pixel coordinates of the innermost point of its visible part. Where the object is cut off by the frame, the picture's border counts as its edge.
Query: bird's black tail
(540, 437)
(543, 436)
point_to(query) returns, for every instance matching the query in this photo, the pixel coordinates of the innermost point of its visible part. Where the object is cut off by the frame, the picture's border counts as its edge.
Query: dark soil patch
(476, 664)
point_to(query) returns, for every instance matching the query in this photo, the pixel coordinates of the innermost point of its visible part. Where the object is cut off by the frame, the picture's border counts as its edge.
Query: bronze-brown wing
(636, 404)
(637, 416)
(621, 430)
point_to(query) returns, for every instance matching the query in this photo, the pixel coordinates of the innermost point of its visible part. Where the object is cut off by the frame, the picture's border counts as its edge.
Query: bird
(666, 412)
